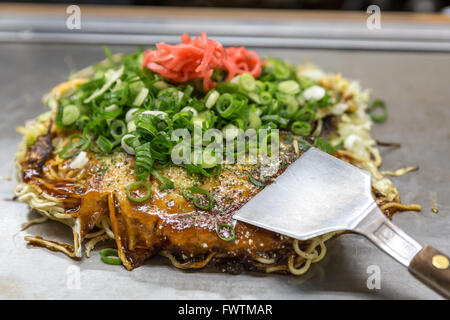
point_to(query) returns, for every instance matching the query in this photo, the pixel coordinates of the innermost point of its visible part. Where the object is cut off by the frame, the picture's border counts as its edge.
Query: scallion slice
(139, 100)
(324, 145)
(254, 96)
(247, 82)
(104, 144)
(225, 225)
(124, 143)
(132, 114)
(290, 87)
(187, 109)
(211, 98)
(113, 77)
(374, 110)
(195, 199)
(118, 129)
(144, 161)
(186, 95)
(256, 182)
(74, 147)
(303, 144)
(70, 114)
(265, 97)
(109, 55)
(305, 114)
(110, 256)
(280, 69)
(136, 185)
(165, 182)
(254, 121)
(112, 108)
(225, 105)
(301, 128)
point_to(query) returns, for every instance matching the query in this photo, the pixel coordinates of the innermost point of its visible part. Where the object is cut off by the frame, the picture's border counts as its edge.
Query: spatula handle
(395, 242)
(432, 268)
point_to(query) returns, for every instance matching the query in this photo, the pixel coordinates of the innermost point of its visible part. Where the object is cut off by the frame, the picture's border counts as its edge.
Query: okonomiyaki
(132, 151)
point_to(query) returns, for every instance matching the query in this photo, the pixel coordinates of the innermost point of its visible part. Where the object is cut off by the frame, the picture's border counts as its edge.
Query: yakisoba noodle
(352, 128)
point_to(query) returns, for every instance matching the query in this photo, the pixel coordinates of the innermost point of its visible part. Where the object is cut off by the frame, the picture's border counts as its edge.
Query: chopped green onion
(70, 114)
(139, 100)
(340, 145)
(132, 114)
(288, 139)
(283, 122)
(114, 76)
(211, 98)
(109, 55)
(131, 126)
(136, 185)
(265, 97)
(247, 82)
(208, 158)
(124, 104)
(324, 145)
(291, 108)
(112, 108)
(144, 161)
(254, 96)
(305, 114)
(75, 147)
(205, 118)
(44, 116)
(270, 87)
(373, 110)
(306, 82)
(225, 225)
(187, 109)
(254, 121)
(125, 143)
(186, 94)
(259, 85)
(260, 184)
(165, 182)
(290, 87)
(278, 68)
(230, 132)
(104, 144)
(281, 71)
(118, 128)
(110, 256)
(301, 128)
(225, 105)
(195, 199)
(303, 144)
(59, 116)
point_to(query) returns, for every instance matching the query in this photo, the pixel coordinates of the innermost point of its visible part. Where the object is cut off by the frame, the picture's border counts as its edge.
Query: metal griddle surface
(414, 86)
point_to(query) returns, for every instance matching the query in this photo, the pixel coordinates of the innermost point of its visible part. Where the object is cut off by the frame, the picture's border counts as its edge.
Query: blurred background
(387, 5)
(402, 25)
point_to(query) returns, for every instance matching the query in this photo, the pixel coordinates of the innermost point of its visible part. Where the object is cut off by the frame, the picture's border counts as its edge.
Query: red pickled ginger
(197, 59)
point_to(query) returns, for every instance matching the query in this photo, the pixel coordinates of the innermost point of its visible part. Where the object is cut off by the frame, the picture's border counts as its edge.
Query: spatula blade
(317, 194)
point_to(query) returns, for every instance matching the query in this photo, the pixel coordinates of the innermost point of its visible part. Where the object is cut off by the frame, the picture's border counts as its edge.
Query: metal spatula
(319, 193)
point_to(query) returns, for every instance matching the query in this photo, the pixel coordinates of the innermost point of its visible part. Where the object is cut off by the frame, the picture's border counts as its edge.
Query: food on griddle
(102, 160)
